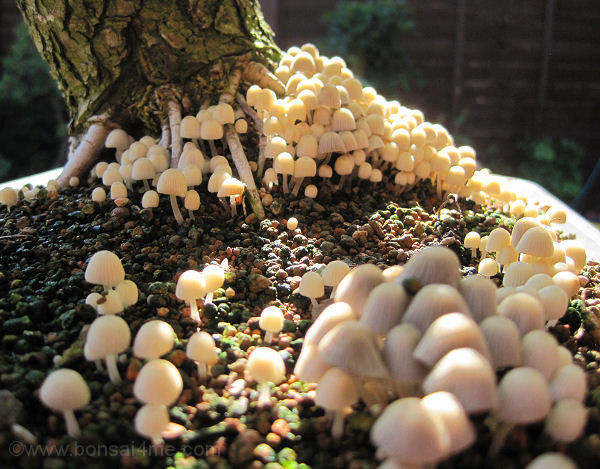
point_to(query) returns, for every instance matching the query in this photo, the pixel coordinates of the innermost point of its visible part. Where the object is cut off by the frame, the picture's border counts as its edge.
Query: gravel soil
(44, 247)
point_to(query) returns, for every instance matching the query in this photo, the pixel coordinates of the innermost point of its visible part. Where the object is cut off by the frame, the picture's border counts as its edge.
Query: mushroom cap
(539, 281)
(410, 433)
(520, 227)
(568, 281)
(351, 346)
(517, 274)
(539, 350)
(266, 365)
(356, 285)
(284, 163)
(472, 239)
(503, 341)
(305, 167)
(211, 130)
(334, 272)
(158, 382)
(192, 200)
(223, 113)
(231, 187)
(201, 348)
(192, 174)
(330, 317)
(128, 291)
(568, 382)
(90, 354)
(92, 300)
(64, 390)
(216, 180)
(431, 302)
(398, 351)
(479, 292)
(449, 331)
(344, 164)
(214, 277)
(98, 194)
(307, 146)
(110, 303)
(384, 307)
(524, 310)
(460, 429)
(576, 251)
(151, 420)
(498, 239)
(154, 339)
(311, 191)
(150, 199)
(310, 366)
(159, 157)
(190, 286)
(337, 390)
(468, 375)
(523, 396)
(271, 319)
(434, 264)
(536, 241)
(311, 285)
(105, 268)
(117, 138)
(118, 190)
(142, 169)
(552, 461)
(331, 142)
(566, 420)
(172, 182)
(109, 335)
(488, 267)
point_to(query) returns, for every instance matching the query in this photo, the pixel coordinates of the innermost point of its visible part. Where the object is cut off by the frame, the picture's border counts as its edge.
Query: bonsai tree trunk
(141, 65)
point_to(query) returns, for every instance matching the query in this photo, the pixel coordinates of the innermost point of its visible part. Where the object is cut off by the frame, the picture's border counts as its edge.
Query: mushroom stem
(98, 364)
(213, 149)
(225, 205)
(111, 367)
(268, 337)
(286, 189)
(243, 168)
(250, 112)
(174, 112)
(146, 186)
(337, 425)
(314, 302)
(499, 438)
(233, 205)
(209, 297)
(296, 188)
(71, 423)
(473, 253)
(202, 370)
(264, 394)
(194, 314)
(333, 292)
(176, 212)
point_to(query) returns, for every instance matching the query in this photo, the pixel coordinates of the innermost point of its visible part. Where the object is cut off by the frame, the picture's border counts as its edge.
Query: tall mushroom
(104, 268)
(172, 183)
(108, 336)
(65, 390)
(191, 286)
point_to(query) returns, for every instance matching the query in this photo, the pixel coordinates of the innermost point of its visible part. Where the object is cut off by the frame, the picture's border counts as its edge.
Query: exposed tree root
(243, 168)
(255, 72)
(88, 150)
(174, 124)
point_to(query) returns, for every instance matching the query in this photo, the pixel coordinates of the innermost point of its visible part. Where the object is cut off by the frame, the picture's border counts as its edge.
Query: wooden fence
(509, 69)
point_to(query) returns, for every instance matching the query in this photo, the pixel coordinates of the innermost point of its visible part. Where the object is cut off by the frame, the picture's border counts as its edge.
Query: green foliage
(32, 113)
(555, 164)
(368, 35)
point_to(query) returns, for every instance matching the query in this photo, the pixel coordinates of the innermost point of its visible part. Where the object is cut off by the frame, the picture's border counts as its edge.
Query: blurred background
(517, 80)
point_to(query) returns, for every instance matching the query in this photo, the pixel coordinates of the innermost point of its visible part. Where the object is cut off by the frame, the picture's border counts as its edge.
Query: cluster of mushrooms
(436, 349)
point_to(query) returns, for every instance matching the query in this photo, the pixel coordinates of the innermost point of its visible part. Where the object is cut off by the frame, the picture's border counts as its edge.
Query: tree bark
(142, 64)
(111, 56)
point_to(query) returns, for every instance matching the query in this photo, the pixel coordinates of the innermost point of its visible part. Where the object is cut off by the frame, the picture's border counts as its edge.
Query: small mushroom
(333, 273)
(552, 461)
(151, 420)
(311, 286)
(172, 183)
(566, 420)
(158, 382)
(154, 339)
(191, 286)
(65, 390)
(265, 366)
(150, 199)
(336, 391)
(271, 321)
(214, 277)
(104, 268)
(128, 291)
(107, 337)
(201, 348)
